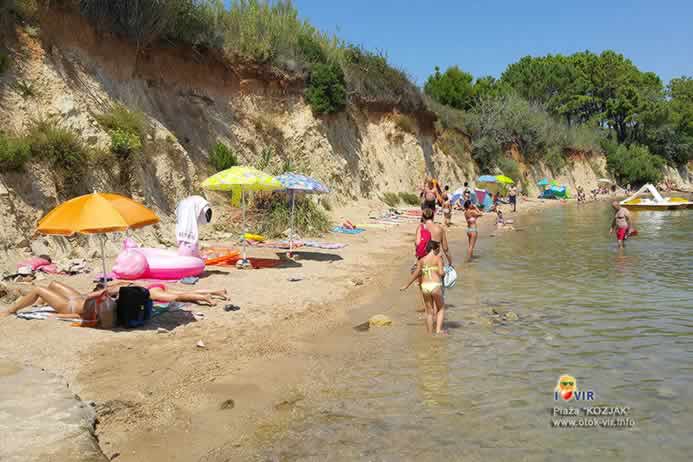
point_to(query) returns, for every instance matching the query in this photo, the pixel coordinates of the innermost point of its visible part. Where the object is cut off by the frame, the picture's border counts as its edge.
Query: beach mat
(41, 313)
(280, 245)
(343, 230)
(256, 263)
(324, 245)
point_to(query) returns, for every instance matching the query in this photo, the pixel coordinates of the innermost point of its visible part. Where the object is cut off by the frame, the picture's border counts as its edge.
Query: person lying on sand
(70, 303)
(430, 272)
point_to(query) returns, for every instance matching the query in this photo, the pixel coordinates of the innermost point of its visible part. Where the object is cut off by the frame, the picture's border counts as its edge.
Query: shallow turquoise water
(620, 322)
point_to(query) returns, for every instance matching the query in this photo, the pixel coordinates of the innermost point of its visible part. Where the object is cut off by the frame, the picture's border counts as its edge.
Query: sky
(483, 37)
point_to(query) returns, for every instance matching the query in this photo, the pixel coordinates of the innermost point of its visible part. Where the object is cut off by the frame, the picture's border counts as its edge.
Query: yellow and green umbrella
(238, 180)
(502, 179)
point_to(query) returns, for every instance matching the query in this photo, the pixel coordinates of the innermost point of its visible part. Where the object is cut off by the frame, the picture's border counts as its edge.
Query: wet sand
(160, 397)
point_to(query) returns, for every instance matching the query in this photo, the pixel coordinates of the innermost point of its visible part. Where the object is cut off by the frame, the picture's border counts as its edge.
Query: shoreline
(161, 384)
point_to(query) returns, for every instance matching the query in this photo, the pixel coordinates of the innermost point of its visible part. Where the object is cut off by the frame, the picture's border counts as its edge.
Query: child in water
(501, 222)
(430, 270)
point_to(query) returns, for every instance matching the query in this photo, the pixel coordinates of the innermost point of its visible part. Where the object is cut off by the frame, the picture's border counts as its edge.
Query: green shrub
(325, 91)
(25, 88)
(453, 88)
(63, 149)
(59, 145)
(14, 152)
(409, 198)
(124, 143)
(127, 129)
(374, 81)
(391, 199)
(633, 164)
(274, 215)
(498, 122)
(222, 157)
(121, 118)
(310, 49)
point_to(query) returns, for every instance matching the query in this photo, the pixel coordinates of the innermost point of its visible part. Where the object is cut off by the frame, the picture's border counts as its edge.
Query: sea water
(619, 322)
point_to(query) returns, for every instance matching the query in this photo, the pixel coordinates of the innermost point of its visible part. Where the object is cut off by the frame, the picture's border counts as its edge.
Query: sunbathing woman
(430, 271)
(471, 213)
(68, 302)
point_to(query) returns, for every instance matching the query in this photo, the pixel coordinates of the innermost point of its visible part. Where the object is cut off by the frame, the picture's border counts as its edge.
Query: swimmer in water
(429, 270)
(471, 213)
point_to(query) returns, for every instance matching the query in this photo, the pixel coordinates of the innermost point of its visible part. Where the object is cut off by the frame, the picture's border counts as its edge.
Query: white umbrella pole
(291, 225)
(244, 231)
(103, 259)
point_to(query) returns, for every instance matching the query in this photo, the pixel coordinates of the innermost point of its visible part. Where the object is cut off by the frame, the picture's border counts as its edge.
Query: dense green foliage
(497, 123)
(633, 164)
(222, 157)
(453, 88)
(552, 104)
(325, 89)
(608, 90)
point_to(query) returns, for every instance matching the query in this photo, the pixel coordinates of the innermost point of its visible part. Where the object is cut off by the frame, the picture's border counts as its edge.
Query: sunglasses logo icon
(566, 390)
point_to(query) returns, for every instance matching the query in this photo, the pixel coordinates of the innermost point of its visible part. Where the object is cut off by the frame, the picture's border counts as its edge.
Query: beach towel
(378, 225)
(256, 263)
(324, 245)
(41, 312)
(159, 308)
(343, 230)
(234, 255)
(282, 245)
(191, 212)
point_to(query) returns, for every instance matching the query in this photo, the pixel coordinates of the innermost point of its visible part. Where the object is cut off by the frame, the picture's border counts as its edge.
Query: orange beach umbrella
(96, 213)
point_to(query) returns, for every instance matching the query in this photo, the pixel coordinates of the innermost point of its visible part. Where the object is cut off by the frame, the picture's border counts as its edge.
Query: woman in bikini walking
(471, 213)
(429, 272)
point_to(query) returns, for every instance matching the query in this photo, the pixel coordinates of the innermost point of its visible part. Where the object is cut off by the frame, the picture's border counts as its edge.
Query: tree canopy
(605, 93)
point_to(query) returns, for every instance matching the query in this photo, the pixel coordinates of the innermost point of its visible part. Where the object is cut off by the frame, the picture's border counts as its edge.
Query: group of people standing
(432, 249)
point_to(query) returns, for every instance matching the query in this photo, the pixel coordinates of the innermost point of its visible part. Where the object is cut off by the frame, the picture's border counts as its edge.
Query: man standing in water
(621, 223)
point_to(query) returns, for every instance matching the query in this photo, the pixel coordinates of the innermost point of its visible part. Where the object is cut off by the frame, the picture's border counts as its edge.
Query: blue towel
(343, 230)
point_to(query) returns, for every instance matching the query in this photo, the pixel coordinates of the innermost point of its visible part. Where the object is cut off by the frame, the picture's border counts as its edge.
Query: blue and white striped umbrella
(295, 182)
(302, 183)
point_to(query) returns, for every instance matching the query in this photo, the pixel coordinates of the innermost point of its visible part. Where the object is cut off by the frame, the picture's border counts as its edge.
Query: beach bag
(450, 278)
(421, 247)
(134, 307)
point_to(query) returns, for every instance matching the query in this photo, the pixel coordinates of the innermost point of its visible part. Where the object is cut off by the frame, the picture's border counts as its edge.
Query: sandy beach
(159, 396)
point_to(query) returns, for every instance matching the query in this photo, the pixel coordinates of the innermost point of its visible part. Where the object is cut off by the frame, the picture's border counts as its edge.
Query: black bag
(134, 306)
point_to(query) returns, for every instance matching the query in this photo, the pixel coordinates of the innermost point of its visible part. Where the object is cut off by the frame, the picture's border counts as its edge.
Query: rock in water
(228, 404)
(511, 316)
(379, 320)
